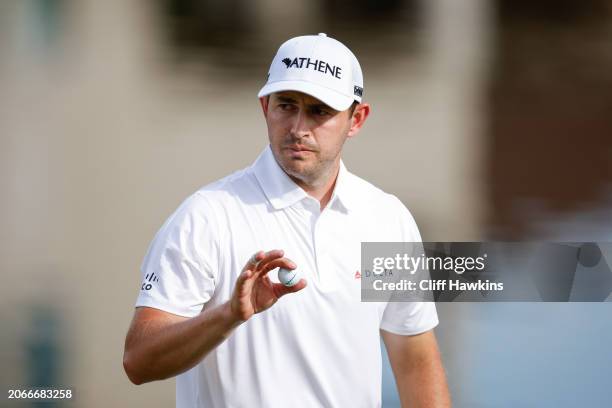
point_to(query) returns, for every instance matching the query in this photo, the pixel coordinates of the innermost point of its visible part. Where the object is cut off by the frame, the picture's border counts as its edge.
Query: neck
(323, 188)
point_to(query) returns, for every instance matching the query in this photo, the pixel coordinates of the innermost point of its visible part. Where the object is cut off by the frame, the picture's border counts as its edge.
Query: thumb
(281, 290)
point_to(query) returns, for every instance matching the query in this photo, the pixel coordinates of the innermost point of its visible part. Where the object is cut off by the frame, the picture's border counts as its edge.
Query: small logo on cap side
(358, 91)
(315, 65)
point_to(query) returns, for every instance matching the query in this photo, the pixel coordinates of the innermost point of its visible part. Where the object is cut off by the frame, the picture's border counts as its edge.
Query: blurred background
(491, 120)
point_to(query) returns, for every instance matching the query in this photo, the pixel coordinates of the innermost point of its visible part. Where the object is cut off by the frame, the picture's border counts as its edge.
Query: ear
(264, 101)
(360, 114)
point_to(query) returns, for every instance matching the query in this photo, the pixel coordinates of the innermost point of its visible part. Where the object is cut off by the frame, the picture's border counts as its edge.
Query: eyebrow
(288, 99)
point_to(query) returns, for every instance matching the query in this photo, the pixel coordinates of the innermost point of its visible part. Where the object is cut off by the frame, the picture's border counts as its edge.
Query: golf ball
(288, 277)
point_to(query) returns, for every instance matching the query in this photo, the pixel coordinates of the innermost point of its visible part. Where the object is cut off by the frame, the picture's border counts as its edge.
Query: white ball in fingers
(288, 277)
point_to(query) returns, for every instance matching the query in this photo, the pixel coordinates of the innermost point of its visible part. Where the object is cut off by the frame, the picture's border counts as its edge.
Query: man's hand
(254, 291)
(161, 345)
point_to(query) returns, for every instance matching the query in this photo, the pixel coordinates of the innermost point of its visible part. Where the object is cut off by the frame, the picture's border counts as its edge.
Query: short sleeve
(408, 318)
(180, 267)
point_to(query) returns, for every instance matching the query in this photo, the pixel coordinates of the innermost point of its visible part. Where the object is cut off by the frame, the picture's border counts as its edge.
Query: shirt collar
(343, 193)
(282, 192)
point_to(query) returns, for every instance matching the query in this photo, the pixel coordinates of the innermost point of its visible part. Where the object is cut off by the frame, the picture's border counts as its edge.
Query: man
(215, 315)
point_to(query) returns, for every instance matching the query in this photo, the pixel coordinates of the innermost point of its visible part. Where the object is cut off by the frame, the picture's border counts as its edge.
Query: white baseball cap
(319, 66)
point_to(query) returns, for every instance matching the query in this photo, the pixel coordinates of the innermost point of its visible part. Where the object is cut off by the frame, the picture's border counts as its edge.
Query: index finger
(261, 258)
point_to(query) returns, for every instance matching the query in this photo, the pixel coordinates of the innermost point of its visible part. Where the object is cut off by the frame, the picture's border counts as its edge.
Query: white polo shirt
(319, 347)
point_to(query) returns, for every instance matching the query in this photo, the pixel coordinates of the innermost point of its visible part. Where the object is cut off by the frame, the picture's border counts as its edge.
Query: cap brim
(328, 96)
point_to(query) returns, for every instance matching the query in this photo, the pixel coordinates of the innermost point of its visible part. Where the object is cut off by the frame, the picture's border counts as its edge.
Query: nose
(300, 127)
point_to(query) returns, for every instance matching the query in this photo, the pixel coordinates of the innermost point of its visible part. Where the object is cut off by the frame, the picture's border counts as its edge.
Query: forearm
(164, 349)
(422, 383)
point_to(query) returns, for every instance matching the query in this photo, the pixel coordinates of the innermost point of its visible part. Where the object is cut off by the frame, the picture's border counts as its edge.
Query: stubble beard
(308, 175)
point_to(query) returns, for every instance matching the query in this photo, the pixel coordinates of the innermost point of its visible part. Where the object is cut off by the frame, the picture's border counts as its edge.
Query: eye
(320, 111)
(285, 106)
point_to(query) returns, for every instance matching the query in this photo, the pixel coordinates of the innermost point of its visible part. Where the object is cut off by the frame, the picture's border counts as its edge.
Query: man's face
(306, 135)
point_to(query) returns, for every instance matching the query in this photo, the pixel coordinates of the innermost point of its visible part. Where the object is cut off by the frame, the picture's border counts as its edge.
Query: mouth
(294, 148)
(298, 152)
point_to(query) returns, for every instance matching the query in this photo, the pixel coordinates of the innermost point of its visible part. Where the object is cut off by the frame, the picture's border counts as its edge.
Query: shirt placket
(320, 245)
